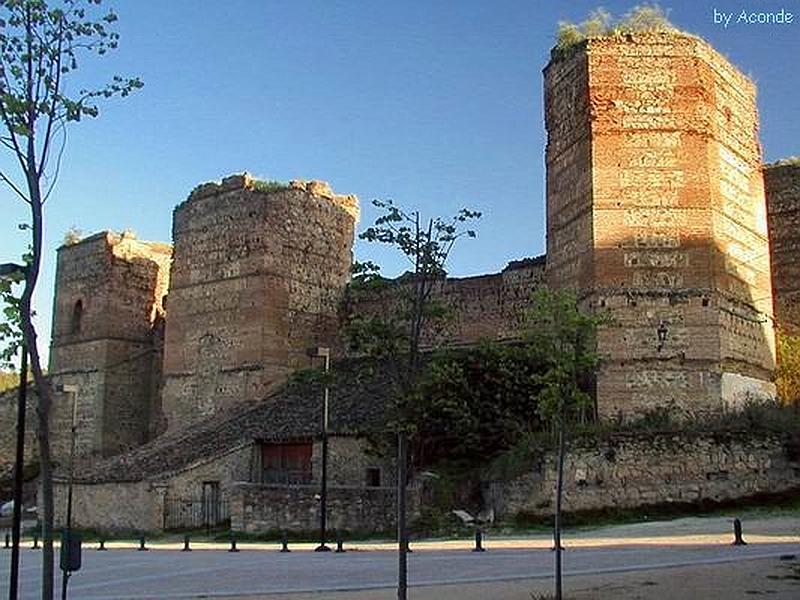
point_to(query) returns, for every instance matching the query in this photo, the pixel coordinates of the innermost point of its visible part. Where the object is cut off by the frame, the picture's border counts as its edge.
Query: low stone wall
(629, 472)
(8, 435)
(118, 506)
(258, 508)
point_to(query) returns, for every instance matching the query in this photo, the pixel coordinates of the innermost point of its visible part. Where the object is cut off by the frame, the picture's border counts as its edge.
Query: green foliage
(789, 160)
(477, 402)
(787, 374)
(565, 337)
(599, 23)
(394, 335)
(11, 321)
(268, 185)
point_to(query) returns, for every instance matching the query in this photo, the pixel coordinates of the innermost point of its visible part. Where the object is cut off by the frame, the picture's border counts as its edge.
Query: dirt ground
(771, 578)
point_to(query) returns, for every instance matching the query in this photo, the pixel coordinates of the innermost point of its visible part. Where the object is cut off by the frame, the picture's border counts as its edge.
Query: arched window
(77, 316)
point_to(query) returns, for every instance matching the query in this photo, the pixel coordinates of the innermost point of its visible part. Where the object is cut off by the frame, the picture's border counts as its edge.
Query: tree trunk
(43, 390)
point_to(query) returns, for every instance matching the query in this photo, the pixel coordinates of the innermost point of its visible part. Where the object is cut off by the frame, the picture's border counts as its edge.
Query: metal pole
(66, 574)
(402, 534)
(323, 508)
(18, 475)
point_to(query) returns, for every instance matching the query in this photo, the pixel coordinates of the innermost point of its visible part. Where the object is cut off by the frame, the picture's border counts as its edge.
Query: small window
(705, 301)
(77, 317)
(373, 477)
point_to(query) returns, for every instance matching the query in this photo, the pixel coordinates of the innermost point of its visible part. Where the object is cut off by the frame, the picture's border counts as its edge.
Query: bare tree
(41, 42)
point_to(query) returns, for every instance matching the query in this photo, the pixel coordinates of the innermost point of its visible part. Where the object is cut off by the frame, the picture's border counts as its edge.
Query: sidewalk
(679, 532)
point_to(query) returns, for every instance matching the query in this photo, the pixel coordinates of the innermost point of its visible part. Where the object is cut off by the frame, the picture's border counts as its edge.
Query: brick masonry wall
(782, 183)
(487, 307)
(670, 226)
(662, 469)
(8, 433)
(257, 279)
(106, 347)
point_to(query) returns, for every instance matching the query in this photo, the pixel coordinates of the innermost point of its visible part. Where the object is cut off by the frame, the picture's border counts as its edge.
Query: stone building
(656, 216)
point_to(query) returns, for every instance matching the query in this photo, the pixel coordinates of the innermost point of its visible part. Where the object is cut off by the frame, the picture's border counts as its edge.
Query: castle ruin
(656, 217)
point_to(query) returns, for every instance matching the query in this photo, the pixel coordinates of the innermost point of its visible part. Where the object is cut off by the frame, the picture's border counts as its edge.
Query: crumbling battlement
(483, 307)
(107, 310)
(782, 182)
(258, 275)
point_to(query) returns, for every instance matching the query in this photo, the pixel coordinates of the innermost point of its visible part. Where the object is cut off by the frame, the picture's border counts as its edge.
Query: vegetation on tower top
(644, 18)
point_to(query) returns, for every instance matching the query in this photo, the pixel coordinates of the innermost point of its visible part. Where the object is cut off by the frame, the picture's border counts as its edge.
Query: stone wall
(257, 508)
(125, 506)
(630, 472)
(489, 307)
(257, 279)
(782, 183)
(656, 215)
(8, 434)
(108, 303)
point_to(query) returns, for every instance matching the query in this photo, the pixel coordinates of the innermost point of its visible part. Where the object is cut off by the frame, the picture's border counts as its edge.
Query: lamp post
(10, 270)
(73, 391)
(661, 332)
(323, 496)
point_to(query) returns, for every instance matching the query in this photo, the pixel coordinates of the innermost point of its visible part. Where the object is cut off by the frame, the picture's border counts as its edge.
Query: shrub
(599, 23)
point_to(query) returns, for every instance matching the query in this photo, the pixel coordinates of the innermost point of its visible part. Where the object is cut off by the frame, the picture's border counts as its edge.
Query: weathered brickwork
(108, 304)
(486, 307)
(656, 216)
(628, 472)
(782, 182)
(257, 279)
(8, 434)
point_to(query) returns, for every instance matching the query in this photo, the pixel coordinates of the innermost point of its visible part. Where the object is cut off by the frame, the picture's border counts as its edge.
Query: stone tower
(257, 278)
(656, 216)
(782, 182)
(105, 340)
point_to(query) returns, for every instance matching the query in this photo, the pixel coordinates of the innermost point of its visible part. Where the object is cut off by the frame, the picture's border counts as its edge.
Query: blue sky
(436, 104)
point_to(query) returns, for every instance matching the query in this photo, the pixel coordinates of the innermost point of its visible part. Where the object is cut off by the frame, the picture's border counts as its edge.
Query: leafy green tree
(566, 338)
(395, 336)
(41, 43)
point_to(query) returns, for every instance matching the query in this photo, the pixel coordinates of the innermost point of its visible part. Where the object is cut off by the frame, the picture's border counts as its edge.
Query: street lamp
(10, 270)
(67, 541)
(661, 332)
(323, 500)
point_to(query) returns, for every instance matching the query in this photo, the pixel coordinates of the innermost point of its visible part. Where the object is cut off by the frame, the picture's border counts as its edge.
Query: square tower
(656, 217)
(106, 335)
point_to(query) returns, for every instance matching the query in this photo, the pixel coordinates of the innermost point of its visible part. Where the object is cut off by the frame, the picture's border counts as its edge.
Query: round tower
(259, 269)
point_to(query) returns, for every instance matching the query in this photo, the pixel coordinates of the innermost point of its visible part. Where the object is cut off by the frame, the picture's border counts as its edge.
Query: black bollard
(102, 546)
(737, 533)
(35, 541)
(479, 541)
(284, 544)
(141, 544)
(339, 542)
(233, 547)
(8, 541)
(186, 544)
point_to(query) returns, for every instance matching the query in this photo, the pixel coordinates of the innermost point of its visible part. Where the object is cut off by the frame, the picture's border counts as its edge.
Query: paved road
(127, 574)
